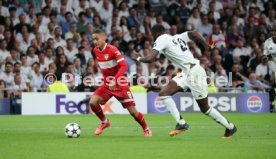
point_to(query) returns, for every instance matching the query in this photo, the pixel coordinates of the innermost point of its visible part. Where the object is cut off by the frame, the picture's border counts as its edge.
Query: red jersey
(111, 62)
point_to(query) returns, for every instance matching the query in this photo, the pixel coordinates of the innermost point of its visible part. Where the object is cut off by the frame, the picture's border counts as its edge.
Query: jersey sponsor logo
(254, 104)
(159, 105)
(107, 64)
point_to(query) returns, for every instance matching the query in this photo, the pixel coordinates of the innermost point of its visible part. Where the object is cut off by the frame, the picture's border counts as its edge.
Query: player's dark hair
(98, 31)
(158, 28)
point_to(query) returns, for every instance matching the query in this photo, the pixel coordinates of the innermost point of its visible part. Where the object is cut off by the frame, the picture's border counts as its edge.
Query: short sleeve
(185, 37)
(160, 43)
(117, 55)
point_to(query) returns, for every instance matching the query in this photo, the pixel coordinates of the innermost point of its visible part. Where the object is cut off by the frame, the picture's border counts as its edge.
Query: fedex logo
(70, 107)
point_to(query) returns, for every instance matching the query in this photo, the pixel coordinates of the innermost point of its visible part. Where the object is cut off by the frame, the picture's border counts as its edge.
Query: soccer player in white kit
(270, 50)
(193, 76)
(270, 44)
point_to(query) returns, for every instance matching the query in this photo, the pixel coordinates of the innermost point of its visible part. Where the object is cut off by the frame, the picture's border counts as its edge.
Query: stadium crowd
(38, 37)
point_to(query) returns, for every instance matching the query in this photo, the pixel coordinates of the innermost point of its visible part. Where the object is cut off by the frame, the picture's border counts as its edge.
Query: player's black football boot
(230, 132)
(179, 129)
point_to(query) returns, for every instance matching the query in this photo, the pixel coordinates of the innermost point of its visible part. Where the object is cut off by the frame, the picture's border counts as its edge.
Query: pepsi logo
(254, 104)
(159, 105)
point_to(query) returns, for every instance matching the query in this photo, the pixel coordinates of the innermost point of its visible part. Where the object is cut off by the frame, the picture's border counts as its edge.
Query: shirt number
(181, 43)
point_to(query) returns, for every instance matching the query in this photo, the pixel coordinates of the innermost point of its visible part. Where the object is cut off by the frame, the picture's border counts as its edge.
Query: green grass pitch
(42, 137)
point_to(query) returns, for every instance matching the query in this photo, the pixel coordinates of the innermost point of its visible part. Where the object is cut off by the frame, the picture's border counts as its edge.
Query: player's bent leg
(230, 128)
(139, 117)
(165, 97)
(94, 103)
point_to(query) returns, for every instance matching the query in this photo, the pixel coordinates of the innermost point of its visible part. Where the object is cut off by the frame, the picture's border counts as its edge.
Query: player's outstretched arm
(148, 59)
(197, 38)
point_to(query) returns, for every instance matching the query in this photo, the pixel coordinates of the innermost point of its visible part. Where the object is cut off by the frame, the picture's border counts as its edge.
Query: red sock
(99, 112)
(140, 119)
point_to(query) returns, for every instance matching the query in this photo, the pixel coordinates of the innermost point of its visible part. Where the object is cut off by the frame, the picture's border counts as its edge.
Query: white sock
(171, 106)
(213, 113)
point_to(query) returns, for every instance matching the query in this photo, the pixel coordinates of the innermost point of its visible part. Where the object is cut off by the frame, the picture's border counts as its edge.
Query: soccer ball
(72, 130)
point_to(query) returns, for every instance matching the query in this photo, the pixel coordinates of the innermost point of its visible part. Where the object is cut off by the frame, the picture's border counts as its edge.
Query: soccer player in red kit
(113, 67)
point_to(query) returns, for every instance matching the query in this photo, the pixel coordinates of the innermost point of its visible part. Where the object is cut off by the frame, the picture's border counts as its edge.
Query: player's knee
(133, 112)
(93, 103)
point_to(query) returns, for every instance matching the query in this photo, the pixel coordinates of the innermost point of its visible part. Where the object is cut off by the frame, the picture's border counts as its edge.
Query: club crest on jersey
(105, 56)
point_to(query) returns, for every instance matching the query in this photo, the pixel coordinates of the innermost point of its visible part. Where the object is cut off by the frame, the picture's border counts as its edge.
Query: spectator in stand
(31, 55)
(255, 59)
(194, 19)
(160, 20)
(217, 62)
(78, 69)
(4, 10)
(205, 28)
(7, 75)
(123, 10)
(98, 23)
(18, 86)
(132, 19)
(237, 78)
(264, 70)
(81, 55)
(58, 40)
(254, 85)
(49, 58)
(25, 67)
(61, 64)
(271, 19)
(70, 50)
(17, 70)
(66, 25)
(82, 25)
(42, 62)
(36, 77)
(4, 53)
(217, 37)
(213, 8)
(240, 52)
(106, 11)
(81, 7)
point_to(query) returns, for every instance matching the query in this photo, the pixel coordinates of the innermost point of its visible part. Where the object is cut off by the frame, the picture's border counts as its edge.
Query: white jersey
(176, 49)
(270, 48)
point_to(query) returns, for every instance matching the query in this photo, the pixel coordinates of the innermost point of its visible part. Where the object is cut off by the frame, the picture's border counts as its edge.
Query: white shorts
(196, 80)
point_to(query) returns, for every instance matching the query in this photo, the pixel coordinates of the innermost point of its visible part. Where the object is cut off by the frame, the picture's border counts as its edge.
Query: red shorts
(123, 95)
